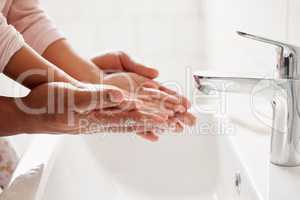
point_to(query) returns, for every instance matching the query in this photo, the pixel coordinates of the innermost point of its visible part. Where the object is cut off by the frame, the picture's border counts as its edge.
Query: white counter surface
(252, 140)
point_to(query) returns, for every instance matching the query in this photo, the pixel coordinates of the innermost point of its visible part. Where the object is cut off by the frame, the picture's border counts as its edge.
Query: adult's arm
(12, 120)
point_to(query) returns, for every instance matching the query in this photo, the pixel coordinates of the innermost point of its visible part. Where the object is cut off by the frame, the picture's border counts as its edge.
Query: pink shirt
(24, 21)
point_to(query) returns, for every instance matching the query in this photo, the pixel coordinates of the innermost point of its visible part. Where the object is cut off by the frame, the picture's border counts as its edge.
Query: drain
(237, 182)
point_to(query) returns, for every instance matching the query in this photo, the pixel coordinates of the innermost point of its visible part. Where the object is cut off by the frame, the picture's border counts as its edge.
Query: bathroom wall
(181, 36)
(274, 19)
(226, 51)
(293, 27)
(165, 34)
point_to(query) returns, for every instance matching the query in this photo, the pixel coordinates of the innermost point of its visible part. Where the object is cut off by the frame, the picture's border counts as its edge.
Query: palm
(139, 78)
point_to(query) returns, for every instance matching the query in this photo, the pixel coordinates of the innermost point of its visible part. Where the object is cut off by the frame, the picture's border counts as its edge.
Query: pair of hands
(138, 81)
(125, 102)
(64, 108)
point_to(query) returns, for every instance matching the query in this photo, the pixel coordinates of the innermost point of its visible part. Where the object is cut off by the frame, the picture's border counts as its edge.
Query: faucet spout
(209, 84)
(284, 95)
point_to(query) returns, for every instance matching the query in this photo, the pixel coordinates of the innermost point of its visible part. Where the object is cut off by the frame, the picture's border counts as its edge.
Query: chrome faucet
(285, 100)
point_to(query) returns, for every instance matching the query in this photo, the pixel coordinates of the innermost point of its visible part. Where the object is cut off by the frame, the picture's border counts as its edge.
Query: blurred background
(174, 34)
(166, 34)
(178, 37)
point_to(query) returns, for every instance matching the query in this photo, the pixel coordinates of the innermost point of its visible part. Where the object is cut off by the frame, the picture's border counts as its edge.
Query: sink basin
(199, 164)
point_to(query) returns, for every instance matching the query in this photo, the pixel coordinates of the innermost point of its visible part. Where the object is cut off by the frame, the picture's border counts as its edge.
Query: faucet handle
(287, 56)
(262, 39)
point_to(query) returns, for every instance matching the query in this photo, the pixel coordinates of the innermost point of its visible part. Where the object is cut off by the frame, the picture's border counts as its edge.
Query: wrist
(72, 63)
(27, 122)
(92, 74)
(14, 119)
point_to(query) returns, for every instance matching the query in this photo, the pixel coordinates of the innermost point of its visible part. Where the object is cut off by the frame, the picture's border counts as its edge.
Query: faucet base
(286, 165)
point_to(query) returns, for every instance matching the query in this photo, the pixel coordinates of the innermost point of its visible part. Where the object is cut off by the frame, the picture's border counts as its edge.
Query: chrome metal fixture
(285, 144)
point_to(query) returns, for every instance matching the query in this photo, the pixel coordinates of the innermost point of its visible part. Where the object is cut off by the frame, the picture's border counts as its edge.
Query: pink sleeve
(29, 19)
(10, 42)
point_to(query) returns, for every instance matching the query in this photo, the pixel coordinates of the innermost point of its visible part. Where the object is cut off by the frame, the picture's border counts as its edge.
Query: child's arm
(19, 61)
(65, 57)
(30, 69)
(40, 33)
(61, 54)
(16, 58)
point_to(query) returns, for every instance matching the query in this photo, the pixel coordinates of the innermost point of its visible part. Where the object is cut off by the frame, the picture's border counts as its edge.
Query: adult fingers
(159, 107)
(151, 93)
(151, 107)
(153, 84)
(175, 108)
(174, 125)
(97, 128)
(126, 129)
(183, 99)
(129, 118)
(149, 135)
(97, 97)
(130, 104)
(186, 118)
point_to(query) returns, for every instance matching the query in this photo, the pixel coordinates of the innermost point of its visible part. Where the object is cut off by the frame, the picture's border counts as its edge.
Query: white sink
(201, 166)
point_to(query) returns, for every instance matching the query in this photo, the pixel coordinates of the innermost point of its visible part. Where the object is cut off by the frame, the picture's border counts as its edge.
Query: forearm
(12, 119)
(62, 55)
(30, 69)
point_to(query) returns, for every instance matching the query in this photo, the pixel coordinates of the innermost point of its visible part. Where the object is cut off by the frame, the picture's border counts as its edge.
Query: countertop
(252, 140)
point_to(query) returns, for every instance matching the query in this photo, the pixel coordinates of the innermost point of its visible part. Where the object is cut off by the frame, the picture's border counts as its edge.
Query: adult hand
(63, 108)
(140, 79)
